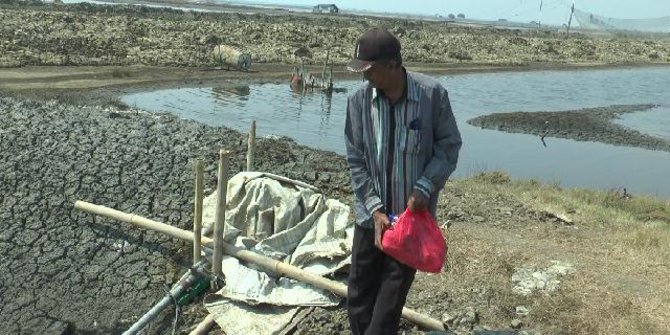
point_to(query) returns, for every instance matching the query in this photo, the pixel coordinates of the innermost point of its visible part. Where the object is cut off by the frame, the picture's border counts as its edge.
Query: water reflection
(324, 100)
(224, 93)
(327, 104)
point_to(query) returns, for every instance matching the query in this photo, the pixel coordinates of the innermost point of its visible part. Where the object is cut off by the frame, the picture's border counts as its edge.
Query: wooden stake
(251, 144)
(269, 265)
(204, 326)
(197, 212)
(220, 217)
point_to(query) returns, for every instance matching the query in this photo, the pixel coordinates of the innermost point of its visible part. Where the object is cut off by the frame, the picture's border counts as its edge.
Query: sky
(553, 11)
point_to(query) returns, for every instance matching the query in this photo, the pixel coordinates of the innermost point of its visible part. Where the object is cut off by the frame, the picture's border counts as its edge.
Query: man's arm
(446, 144)
(360, 176)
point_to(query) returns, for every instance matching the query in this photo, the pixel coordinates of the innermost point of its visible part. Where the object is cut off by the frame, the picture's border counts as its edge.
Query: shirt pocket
(410, 140)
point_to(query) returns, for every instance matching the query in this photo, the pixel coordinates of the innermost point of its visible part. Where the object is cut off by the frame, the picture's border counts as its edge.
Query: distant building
(326, 8)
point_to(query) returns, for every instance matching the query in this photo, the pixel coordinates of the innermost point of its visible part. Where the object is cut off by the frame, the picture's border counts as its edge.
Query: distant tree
(461, 16)
(452, 16)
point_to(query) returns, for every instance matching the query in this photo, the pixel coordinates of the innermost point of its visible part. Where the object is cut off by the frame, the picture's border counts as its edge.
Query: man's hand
(382, 223)
(417, 201)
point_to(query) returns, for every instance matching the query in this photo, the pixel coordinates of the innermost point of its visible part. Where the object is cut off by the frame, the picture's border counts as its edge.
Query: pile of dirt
(85, 34)
(587, 124)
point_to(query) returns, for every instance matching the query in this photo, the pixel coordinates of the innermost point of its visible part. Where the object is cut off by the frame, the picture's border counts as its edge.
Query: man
(402, 145)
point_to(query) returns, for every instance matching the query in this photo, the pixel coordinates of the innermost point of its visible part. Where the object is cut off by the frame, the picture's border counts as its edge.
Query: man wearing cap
(402, 144)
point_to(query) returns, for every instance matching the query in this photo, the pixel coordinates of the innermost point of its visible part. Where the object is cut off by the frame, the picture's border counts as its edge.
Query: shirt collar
(411, 91)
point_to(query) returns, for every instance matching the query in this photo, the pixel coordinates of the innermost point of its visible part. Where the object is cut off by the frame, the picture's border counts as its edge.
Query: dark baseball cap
(375, 44)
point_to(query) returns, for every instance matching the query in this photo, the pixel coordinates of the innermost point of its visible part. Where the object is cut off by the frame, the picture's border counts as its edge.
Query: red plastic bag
(416, 241)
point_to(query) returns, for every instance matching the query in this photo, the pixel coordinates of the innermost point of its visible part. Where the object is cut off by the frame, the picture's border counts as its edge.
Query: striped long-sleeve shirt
(394, 149)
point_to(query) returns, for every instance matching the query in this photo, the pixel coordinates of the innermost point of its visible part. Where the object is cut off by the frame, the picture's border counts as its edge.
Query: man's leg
(364, 279)
(396, 280)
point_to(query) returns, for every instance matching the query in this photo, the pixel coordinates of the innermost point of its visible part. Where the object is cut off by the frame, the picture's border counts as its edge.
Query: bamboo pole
(204, 326)
(220, 217)
(197, 213)
(270, 265)
(251, 145)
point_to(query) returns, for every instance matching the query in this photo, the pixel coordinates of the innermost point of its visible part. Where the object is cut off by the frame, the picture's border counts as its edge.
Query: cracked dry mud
(68, 272)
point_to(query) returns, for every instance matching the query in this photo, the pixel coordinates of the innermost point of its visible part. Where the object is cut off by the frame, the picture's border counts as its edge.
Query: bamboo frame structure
(204, 326)
(220, 217)
(251, 146)
(270, 265)
(197, 212)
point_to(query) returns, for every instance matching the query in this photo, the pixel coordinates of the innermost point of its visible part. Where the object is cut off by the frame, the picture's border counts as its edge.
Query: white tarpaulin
(286, 220)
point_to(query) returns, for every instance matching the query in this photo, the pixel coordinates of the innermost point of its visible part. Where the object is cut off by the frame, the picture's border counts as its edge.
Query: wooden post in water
(197, 212)
(220, 217)
(251, 144)
(572, 12)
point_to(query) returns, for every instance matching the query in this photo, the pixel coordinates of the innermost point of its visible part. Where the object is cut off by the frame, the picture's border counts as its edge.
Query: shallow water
(655, 122)
(317, 120)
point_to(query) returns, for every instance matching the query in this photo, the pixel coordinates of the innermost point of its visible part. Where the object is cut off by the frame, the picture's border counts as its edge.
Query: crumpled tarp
(286, 220)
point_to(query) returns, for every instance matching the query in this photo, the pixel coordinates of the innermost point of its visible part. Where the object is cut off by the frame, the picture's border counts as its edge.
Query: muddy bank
(85, 34)
(67, 272)
(588, 124)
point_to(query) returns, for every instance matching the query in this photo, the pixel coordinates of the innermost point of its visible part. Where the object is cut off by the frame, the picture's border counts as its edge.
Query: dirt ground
(588, 124)
(71, 274)
(75, 274)
(85, 34)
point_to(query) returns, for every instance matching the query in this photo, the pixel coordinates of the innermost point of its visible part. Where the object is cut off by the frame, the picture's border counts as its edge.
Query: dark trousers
(378, 287)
